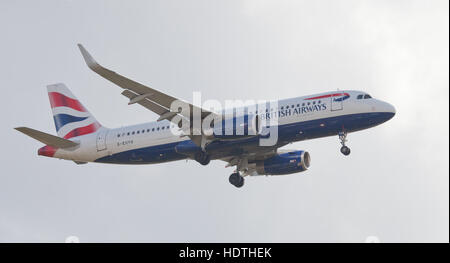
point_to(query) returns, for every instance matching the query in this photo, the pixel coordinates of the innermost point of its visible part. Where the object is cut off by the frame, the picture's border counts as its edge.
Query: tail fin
(71, 117)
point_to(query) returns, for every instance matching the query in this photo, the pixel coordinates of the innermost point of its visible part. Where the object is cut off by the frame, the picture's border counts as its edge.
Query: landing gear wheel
(237, 180)
(343, 138)
(205, 161)
(202, 158)
(345, 150)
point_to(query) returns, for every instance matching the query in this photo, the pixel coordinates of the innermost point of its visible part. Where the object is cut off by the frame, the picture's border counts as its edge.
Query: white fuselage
(294, 111)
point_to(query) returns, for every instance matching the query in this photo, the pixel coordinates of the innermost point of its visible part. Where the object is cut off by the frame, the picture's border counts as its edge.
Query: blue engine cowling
(284, 163)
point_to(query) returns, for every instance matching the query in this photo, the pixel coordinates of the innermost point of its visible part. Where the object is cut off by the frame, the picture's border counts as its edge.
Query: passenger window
(128, 133)
(137, 132)
(153, 129)
(360, 96)
(163, 127)
(157, 129)
(367, 96)
(148, 130)
(298, 105)
(118, 135)
(168, 127)
(314, 102)
(132, 133)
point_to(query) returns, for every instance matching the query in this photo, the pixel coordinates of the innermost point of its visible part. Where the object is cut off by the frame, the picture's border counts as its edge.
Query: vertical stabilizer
(71, 117)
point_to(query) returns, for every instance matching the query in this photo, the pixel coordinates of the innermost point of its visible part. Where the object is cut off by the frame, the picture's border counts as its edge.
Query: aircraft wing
(152, 99)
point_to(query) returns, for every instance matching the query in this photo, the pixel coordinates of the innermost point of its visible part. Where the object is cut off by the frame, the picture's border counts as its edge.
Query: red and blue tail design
(71, 118)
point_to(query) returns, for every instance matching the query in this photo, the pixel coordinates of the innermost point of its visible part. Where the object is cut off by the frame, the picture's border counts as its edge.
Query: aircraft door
(336, 103)
(101, 140)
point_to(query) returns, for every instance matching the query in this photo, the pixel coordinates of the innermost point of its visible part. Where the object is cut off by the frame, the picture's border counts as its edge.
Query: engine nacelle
(284, 163)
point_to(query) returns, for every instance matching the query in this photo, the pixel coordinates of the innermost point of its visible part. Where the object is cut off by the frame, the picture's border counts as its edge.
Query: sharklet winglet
(90, 61)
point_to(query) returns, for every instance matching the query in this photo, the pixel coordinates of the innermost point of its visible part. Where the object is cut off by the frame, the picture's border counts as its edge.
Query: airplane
(82, 139)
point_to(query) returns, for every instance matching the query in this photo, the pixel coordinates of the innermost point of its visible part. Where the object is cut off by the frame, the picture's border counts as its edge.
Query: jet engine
(284, 163)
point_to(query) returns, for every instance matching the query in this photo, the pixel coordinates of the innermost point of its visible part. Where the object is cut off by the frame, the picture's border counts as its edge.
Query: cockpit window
(367, 96)
(360, 96)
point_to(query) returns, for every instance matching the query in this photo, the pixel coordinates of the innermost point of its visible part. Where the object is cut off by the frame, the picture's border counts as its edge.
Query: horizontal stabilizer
(47, 139)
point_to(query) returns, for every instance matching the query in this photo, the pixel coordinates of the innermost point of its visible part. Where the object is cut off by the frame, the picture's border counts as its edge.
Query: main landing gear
(237, 180)
(202, 158)
(343, 137)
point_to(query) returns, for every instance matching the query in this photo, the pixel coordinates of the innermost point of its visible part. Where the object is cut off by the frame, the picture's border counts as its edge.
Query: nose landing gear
(343, 138)
(345, 150)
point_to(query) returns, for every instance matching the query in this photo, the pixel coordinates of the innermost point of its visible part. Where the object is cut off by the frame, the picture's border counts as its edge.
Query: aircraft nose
(389, 109)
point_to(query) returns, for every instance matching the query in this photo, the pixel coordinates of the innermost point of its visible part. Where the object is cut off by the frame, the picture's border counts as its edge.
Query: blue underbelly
(147, 155)
(286, 133)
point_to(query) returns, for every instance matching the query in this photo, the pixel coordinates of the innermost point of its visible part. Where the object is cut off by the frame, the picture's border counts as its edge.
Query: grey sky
(394, 185)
